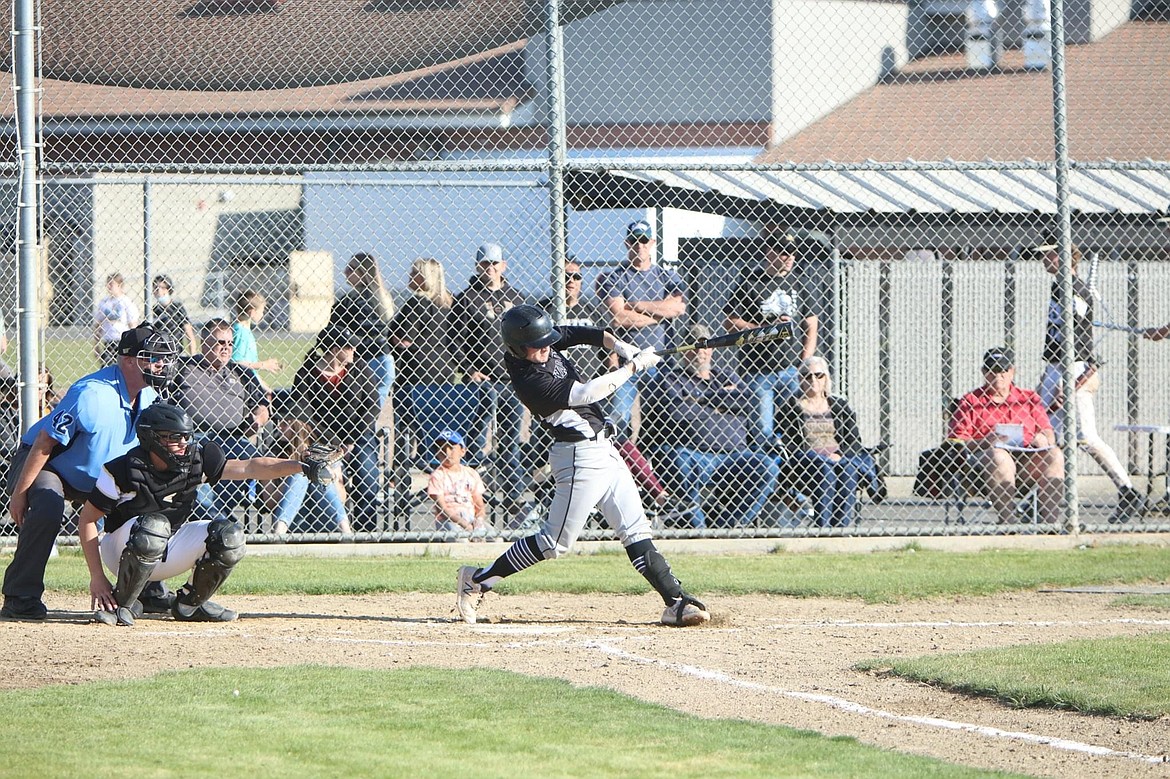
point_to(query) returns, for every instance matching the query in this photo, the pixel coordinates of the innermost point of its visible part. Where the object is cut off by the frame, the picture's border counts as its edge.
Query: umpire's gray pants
(24, 579)
(589, 474)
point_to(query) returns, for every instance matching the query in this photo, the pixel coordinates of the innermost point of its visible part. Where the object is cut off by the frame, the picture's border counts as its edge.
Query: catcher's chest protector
(170, 493)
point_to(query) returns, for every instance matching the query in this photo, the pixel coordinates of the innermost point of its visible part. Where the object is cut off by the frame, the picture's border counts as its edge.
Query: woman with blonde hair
(824, 457)
(426, 368)
(366, 310)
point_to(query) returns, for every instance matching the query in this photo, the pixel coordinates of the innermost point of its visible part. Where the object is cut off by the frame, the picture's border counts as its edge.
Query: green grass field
(427, 722)
(1121, 677)
(417, 722)
(70, 358)
(875, 578)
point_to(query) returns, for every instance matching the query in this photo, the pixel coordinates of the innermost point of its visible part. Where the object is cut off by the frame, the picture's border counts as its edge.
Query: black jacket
(789, 425)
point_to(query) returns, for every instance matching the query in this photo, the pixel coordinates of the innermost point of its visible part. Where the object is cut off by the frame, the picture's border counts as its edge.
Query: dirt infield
(771, 659)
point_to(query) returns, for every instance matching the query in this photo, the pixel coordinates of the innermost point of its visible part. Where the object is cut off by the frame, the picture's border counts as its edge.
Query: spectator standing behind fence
(337, 395)
(476, 314)
(824, 458)
(61, 456)
(776, 291)
(113, 315)
(457, 490)
(170, 315)
(1009, 439)
(426, 368)
(641, 297)
(227, 404)
(1130, 501)
(583, 311)
(697, 422)
(249, 308)
(366, 310)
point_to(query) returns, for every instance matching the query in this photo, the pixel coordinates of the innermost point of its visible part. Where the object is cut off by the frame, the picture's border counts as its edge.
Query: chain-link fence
(331, 204)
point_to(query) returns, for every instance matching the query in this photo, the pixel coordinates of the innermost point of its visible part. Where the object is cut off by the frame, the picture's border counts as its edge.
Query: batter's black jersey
(544, 388)
(1082, 304)
(130, 486)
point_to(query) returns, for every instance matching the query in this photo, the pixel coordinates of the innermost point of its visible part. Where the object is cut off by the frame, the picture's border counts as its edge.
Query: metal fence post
(556, 151)
(28, 128)
(1064, 275)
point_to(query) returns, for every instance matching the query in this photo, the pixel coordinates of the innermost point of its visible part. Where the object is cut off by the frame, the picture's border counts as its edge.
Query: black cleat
(1130, 505)
(24, 610)
(208, 612)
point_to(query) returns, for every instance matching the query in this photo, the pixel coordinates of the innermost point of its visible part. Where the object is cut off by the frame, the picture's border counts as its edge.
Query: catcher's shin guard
(141, 555)
(225, 549)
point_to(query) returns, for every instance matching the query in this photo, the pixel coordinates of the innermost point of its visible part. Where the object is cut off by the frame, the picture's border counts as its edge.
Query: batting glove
(645, 360)
(626, 351)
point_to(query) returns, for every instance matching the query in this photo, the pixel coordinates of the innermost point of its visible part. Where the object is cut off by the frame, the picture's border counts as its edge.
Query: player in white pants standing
(588, 470)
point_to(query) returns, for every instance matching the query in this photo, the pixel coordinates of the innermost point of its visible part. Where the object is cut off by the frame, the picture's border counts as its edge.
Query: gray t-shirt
(654, 283)
(221, 401)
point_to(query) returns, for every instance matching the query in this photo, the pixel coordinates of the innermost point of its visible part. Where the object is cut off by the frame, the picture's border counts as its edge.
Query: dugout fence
(251, 151)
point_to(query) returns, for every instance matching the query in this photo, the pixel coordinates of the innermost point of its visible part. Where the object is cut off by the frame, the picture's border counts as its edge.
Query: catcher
(147, 496)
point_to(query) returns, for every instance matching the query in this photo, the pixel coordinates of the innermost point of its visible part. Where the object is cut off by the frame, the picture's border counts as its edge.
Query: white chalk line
(856, 708)
(845, 623)
(832, 701)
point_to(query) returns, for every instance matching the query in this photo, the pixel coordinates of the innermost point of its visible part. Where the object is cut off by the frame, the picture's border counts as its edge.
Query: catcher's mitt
(317, 460)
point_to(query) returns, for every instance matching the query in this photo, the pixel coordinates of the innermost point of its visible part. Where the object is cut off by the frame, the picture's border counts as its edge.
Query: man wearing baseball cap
(61, 456)
(776, 291)
(477, 347)
(1009, 439)
(641, 297)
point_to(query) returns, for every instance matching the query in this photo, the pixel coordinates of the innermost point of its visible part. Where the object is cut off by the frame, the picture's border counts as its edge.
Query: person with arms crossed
(1009, 439)
(588, 471)
(776, 291)
(641, 297)
(146, 497)
(61, 456)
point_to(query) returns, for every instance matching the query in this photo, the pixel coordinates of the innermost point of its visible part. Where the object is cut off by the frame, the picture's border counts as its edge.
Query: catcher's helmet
(526, 325)
(162, 419)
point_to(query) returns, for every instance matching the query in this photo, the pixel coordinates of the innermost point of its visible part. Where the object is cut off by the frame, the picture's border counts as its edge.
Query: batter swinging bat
(781, 331)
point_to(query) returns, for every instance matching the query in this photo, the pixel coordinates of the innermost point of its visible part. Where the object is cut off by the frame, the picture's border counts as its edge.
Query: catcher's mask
(527, 326)
(157, 353)
(163, 424)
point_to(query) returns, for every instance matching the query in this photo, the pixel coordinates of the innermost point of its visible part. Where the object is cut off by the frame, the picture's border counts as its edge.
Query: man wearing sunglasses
(61, 456)
(776, 291)
(227, 403)
(146, 497)
(641, 297)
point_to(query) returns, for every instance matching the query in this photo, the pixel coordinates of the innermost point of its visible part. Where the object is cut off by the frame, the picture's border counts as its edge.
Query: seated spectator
(824, 458)
(457, 490)
(1009, 439)
(697, 421)
(227, 405)
(297, 504)
(338, 397)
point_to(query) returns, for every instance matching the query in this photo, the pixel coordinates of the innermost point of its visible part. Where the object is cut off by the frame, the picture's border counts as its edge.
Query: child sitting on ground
(457, 490)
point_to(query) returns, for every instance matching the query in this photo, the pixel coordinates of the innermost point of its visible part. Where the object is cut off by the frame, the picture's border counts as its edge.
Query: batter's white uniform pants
(1087, 436)
(185, 548)
(591, 474)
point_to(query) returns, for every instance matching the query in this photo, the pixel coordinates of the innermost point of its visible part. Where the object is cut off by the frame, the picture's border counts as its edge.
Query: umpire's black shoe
(30, 610)
(156, 599)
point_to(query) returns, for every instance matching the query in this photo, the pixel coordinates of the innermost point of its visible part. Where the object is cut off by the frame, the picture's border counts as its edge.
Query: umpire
(588, 469)
(61, 455)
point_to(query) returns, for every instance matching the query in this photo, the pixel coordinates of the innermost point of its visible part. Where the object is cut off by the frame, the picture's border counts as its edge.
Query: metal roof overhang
(932, 204)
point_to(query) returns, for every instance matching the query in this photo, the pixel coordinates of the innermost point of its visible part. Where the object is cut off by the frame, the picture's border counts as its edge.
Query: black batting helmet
(160, 419)
(526, 325)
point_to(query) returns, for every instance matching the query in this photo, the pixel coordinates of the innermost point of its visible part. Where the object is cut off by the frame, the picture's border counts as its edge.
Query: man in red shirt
(1008, 436)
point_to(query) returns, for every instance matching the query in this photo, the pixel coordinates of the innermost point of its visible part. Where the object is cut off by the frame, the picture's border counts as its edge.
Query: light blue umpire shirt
(93, 424)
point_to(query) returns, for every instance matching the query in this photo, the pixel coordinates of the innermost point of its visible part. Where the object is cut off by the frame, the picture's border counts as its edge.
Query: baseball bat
(1120, 328)
(781, 331)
